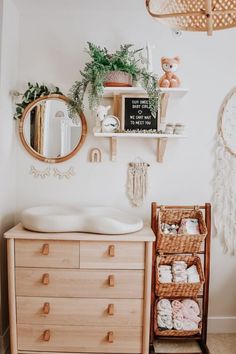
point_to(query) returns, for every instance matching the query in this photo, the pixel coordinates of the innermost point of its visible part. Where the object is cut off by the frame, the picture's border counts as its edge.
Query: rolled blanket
(178, 316)
(176, 306)
(165, 305)
(189, 325)
(178, 324)
(191, 304)
(190, 310)
(164, 322)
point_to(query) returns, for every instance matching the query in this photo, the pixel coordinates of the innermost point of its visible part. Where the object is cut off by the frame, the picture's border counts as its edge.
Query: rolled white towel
(164, 304)
(164, 323)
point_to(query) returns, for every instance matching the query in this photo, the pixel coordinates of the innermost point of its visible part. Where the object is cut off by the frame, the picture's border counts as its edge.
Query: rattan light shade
(194, 15)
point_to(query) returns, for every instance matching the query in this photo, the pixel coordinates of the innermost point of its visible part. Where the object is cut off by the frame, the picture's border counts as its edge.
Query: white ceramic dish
(98, 220)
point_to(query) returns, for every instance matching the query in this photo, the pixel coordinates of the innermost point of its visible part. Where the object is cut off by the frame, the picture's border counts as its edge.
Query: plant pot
(118, 78)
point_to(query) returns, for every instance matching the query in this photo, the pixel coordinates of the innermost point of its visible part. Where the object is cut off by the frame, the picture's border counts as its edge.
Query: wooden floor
(217, 344)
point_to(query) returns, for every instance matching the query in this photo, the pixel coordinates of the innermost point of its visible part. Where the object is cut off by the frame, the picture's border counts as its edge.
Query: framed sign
(136, 114)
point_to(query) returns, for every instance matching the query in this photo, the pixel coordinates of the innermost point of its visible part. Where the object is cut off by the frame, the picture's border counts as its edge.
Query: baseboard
(222, 325)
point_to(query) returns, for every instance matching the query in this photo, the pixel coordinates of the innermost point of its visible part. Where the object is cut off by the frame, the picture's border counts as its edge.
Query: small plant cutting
(31, 94)
(97, 71)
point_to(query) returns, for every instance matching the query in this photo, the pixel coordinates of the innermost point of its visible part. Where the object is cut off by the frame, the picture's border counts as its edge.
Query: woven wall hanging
(224, 183)
(194, 15)
(137, 182)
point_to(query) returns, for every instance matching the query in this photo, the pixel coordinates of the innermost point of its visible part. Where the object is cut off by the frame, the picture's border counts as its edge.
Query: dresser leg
(151, 349)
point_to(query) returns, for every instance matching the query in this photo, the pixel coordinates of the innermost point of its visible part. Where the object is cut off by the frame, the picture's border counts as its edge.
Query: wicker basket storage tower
(193, 250)
(194, 15)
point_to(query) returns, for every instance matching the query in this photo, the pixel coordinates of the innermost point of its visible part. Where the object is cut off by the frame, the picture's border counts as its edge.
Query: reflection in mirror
(49, 132)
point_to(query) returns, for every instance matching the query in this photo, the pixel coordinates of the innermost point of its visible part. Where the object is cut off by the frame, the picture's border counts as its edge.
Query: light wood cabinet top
(18, 232)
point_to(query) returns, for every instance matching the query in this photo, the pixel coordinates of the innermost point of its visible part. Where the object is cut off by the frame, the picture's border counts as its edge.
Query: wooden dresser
(79, 293)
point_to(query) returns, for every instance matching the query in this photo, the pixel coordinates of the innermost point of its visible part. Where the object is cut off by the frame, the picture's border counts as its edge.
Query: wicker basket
(194, 15)
(173, 290)
(181, 242)
(174, 332)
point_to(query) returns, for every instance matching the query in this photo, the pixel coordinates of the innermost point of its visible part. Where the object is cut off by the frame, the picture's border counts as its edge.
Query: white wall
(52, 40)
(8, 75)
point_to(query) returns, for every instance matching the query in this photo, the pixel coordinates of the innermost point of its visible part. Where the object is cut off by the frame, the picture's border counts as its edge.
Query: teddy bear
(170, 66)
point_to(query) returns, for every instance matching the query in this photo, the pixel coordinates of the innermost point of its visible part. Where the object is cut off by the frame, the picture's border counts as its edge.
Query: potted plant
(126, 64)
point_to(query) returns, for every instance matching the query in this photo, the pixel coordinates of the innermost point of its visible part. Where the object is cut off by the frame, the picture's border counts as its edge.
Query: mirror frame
(32, 151)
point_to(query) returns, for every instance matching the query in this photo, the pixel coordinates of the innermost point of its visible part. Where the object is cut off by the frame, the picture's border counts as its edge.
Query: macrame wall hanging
(224, 186)
(137, 182)
(194, 15)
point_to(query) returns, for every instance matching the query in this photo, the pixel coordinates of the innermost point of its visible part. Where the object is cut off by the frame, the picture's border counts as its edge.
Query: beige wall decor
(224, 183)
(137, 181)
(40, 173)
(95, 155)
(65, 174)
(197, 16)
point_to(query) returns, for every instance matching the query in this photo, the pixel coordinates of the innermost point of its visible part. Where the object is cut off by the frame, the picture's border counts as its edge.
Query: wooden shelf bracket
(161, 148)
(164, 103)
(113, 148)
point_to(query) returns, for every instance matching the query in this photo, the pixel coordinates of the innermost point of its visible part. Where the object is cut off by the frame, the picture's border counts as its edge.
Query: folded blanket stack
(193, 276)
(165, 275)
(178, 272)
(178, 315)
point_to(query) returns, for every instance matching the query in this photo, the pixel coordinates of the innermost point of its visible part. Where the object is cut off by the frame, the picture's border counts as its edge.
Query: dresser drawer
(80, 283)
(112, 255)
(45, 253)
(89, 312)
(80, 339)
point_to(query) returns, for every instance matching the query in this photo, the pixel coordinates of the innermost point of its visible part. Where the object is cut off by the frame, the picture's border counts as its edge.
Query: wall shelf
(109, 92)
(161, 141)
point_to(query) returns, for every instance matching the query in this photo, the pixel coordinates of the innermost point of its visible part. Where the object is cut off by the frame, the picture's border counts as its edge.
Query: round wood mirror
(48, 133)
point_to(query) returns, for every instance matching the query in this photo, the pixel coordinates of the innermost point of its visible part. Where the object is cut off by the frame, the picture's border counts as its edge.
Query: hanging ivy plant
(101, 63)
(33, 92)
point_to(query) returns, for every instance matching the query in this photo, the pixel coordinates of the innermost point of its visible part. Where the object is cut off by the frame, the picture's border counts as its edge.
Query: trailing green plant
(125, 59)
(33, 92)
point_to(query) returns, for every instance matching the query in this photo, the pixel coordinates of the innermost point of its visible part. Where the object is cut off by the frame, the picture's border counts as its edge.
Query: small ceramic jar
(169, 128)
(179, 129)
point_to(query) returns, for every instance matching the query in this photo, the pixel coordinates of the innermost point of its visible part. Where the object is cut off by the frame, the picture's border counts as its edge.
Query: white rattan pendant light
(194, 15)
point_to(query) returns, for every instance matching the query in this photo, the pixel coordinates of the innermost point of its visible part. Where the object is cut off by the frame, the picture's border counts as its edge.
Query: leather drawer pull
(110, 337)
(45, 249)
(110, 309)
(45, 279)
(111, 280)
(46, 308)
(46, 335)
(111, 251)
